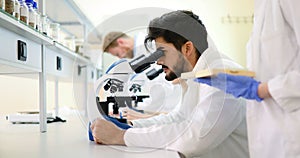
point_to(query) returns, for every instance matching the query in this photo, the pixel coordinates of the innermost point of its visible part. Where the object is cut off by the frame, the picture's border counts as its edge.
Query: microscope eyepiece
(142, 62)
(154, 73)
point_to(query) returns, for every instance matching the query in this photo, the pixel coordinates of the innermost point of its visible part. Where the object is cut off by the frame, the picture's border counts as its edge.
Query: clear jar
(55, 29)
(10, 7)
(70, 43)
(2, 4)
(24, 13)
(32, 14)
(17, 9)
(45, 24)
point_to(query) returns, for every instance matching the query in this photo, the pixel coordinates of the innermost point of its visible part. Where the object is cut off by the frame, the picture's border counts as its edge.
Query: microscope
(116, 79)
(115, 82)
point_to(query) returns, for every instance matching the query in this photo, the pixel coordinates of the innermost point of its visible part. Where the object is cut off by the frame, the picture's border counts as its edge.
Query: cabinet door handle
(22, 51)
(92, 75)
(58, 63)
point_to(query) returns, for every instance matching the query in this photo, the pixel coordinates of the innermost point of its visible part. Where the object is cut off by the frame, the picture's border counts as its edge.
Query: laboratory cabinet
(66, 65)
(20, 51)
(57, 64)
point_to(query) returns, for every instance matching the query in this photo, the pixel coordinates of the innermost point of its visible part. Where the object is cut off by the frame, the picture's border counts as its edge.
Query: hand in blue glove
(239, 86)
(90, 133)
(117, 123)
(111, 119)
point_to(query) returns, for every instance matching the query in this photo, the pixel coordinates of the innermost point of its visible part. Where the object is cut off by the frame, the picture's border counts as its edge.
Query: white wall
(22, 94)
(230, 38)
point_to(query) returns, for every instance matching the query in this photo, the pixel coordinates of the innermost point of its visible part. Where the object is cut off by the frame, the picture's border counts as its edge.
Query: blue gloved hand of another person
(238, 86)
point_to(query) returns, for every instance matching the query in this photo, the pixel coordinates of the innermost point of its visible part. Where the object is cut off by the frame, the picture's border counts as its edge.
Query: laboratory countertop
(63, 140)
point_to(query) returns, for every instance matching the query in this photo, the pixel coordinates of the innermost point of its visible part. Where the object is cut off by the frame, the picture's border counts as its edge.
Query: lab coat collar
(205, 59)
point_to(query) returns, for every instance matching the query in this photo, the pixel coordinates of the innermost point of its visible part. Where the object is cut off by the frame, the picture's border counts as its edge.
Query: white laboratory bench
(27, 51)
(63, 140)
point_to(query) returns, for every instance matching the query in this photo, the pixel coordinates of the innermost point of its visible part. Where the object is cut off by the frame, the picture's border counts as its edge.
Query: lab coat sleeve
(204, 131)
(284, 89)
(173, 116)
(180, 113)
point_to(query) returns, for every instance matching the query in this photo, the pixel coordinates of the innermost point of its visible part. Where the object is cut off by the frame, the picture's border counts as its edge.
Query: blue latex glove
(117, 123)
(238, 86)
(111, 119)
(90, 133)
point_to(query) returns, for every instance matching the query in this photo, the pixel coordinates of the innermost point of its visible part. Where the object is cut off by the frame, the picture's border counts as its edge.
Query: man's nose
(160, 61)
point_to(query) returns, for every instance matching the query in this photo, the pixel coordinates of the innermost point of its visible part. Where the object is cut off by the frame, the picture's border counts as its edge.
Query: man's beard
(130, 54)
(171, 76)
(181, 66)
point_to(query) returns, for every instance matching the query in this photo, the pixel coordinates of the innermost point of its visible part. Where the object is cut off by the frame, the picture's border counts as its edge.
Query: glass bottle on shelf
(10, 7)
(24, 13)
(54, 29)
(32, 15)
(45, 25)
(70, 43)
(17, 9)
(38, 16)
(2, 4)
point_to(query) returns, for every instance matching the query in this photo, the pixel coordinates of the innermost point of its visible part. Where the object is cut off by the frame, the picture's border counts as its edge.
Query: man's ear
(120, 41)
(188, 48)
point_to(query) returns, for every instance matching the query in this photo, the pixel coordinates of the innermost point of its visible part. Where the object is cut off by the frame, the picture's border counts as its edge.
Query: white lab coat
(160, 100)
(210, 124)
(273, 53)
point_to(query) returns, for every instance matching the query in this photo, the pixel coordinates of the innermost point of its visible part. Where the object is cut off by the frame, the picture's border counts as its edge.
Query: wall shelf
(11, 24)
